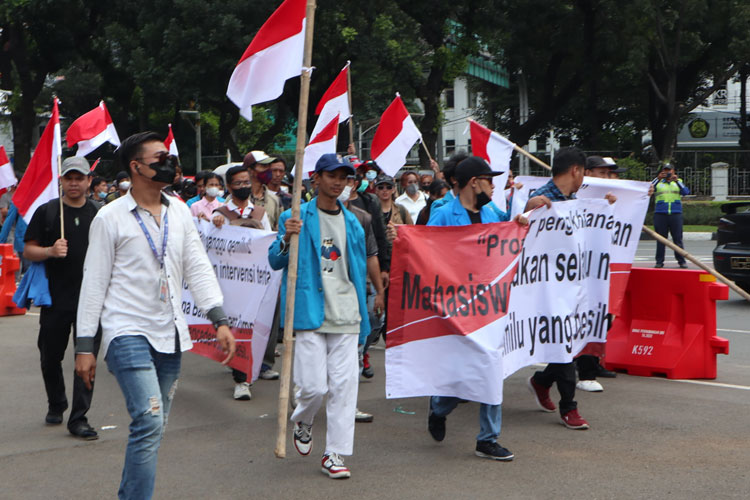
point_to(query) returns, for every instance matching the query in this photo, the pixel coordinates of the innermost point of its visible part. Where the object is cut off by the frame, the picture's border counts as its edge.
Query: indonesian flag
(170, 143)
(274, 56)
(335, 102)
(324, 142)
(7, 175)
(394, 138)
(39, 183)
(91, 130)
(497, 150)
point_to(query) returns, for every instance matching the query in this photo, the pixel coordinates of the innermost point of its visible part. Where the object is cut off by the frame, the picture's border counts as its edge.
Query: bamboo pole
(531, 157)
(426, 150)
(351, 110)
(714, 272)
(291, 283)
(60, 196)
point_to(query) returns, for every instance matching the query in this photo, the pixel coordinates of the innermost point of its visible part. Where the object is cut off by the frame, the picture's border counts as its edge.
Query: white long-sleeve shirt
(121, 276)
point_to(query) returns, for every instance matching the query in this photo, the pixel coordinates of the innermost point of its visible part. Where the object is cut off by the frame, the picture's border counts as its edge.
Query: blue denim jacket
(454, 214)
(309, 299)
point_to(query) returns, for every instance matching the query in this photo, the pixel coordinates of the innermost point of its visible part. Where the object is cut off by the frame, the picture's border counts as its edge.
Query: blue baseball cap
(330, 162)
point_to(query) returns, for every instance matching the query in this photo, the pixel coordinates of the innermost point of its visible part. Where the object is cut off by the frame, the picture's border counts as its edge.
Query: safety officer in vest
(668, 189)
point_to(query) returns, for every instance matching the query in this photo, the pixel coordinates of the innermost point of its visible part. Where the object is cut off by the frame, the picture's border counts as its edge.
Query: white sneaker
(333, 465)
(303, 438)
(242, 391)
(589, 386)
(269, 375)
(361, 416)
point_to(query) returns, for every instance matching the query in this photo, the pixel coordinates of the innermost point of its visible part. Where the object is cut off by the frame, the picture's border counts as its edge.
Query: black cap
(595, 161)
(330, 162)
(384, 179)
(121, 176)
(473, 166)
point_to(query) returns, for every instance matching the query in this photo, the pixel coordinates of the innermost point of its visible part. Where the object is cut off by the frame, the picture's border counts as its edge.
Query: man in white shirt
(141, 247)
(413, 200)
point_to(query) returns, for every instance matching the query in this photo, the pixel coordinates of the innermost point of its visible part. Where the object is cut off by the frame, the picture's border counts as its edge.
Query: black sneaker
(83, 430)
(604, 373)
(53, 417)
(658, 265)
(492, 450)
(436, 426)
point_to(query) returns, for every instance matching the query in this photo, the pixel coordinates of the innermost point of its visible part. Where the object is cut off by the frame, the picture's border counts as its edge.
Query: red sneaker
(572, 420)
(541, 394)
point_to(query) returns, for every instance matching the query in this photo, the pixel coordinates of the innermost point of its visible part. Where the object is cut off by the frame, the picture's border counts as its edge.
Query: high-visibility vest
(667, 193)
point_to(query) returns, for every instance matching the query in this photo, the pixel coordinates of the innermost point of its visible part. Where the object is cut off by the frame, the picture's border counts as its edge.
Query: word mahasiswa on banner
(250, 287)
(449, 294)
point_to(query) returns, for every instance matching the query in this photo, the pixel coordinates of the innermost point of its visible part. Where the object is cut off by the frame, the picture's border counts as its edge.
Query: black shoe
(492, 450)
(683, 265)
(84, 431)
(54, 417)
(659, 266)
(604, 373)
(367, 372)
(436, 426)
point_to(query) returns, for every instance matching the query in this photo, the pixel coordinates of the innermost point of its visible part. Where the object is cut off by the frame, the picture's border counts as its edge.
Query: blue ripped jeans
(148, 380)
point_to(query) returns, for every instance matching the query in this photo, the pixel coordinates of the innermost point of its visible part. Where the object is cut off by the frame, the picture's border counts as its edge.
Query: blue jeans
(148, 380)
(490, 416)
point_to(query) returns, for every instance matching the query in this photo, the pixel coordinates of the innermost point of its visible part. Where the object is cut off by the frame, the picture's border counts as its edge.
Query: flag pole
(349, 97)
(59, 189)
(661, 239)
(429, 156)
(291, 283)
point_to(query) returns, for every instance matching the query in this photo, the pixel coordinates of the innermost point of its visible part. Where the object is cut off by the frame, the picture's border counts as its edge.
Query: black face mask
(241, 193)
(165, 168)
(482, 199)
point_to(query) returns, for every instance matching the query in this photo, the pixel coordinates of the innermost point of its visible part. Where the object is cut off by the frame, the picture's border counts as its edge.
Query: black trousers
(588, 366)
(565, 376)
(665, 224)
(54, 332)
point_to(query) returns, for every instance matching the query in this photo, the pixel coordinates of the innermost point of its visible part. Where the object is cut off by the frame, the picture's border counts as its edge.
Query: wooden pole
(426, 150)
(665, 241)
(291, 283)
(351, 110)
(714, 272)
(531, 157)
(60, 195)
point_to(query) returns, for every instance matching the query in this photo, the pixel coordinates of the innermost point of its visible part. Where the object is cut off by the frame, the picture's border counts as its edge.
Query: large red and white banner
(449, 294)
(631, 207)
(250, 287)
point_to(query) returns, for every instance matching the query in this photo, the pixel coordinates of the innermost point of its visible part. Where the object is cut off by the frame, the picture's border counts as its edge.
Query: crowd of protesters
(350, 215)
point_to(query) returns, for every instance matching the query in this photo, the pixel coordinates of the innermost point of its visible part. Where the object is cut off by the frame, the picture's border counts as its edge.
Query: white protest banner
(560, 290)
(250, 287)
(528, 183)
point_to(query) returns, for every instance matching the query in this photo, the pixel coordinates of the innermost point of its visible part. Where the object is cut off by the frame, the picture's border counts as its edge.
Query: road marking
(732, 331)
(713, 384)
(32, 314)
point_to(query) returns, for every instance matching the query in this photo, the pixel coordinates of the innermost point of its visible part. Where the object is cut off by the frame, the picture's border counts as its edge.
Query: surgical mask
(102, 194)
(241, 193)
(412, 189)
(265, 176)
(363, 186)
(371, 175)
(213, 192)
(124, 185)
(344, 196)
(482, 199)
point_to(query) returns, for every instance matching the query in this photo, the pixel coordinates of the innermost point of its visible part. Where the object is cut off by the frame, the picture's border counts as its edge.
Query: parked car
(732, 252)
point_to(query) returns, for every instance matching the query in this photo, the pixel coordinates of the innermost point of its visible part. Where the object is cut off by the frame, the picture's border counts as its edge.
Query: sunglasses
(384, 186)
(162, 157)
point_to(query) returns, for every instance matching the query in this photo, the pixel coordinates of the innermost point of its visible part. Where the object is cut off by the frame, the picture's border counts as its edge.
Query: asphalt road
(650, 437)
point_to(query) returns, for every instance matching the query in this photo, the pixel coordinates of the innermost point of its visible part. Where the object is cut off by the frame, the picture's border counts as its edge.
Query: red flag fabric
(91, 130)
(274, 55)
(7, 175)
(394, 138)
(39, 183)
(334, 102)
(170, 143)
(443, 334)
(497, 150)
(324, 142)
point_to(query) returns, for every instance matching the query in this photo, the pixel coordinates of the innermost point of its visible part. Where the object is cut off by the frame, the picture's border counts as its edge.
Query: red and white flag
(275, 55)
(335, 102)
(91, 130)
(39, 183)
(324, 142)
(7, 175)
(394, 138)
(497, 150)
(170, 143)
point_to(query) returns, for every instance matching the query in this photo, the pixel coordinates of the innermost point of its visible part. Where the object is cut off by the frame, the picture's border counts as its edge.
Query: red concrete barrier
(667, 325)
(9, 264)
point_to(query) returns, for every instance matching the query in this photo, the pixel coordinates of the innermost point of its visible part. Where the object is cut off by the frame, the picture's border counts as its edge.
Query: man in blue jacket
(470, 206)
(331, 316)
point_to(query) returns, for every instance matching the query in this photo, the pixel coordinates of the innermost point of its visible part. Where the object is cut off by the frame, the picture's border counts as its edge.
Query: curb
(686, 236)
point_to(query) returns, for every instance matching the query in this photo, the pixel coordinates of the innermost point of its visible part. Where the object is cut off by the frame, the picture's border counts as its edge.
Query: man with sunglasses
(141, 247)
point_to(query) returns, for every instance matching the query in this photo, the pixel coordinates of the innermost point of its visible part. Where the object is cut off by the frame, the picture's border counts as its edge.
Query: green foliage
(703, 213)
(636, 169)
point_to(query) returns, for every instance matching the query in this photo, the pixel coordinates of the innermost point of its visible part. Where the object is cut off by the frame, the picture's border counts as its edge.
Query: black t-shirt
(64, 275)
(474, 217)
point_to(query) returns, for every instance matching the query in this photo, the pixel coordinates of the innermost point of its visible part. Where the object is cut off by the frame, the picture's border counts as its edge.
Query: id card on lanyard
(163, 287)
